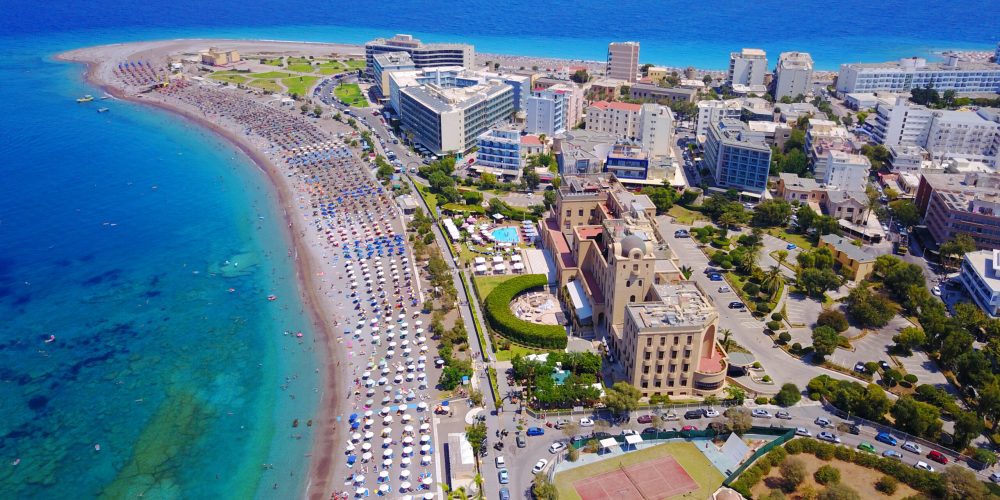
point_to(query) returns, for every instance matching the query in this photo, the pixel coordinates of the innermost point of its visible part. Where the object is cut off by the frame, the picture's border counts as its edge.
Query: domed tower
(631, 268)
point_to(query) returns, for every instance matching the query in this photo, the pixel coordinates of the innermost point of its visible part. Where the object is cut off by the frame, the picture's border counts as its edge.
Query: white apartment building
(793, 74)
(944, 134)
(553, 110)
(747, 67)
(846, 171)
(914, 72)
(901, 124)
(823, 136)
(656, 129)
(618, 118)
(623, 61)
(981, 277)
(714, 111)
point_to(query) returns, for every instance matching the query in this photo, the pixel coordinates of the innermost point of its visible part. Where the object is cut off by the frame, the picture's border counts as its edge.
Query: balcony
(710, 374)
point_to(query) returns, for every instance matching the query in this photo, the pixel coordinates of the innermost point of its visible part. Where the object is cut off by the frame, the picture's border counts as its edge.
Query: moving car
(539, 465)
(885, 437)
(912, 447)
(711, 412)
(938, 457)
(784, 415)
(645, 419)
(521, 442)
(866, 446)
(681, 233)
(822, 422)
(503, 476)
(535, 431)
(923, 466)
(693, 414)
(586, 422)
(736, 305)
(504, 494)
(501, 464)
(715, 277)
(893, 454)
(725, 289)
(802, 431)
(828, 436)
(760, 413)
(556, 447)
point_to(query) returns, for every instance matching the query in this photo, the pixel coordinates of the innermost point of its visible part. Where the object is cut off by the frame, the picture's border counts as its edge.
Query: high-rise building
(735, 159)
(383, 64)
(913, 72)
(656, 129)
(747, 67)
(553, 110)
(944, 134)
(423, 55)
(961, 204)
(499, 153)
(793, 74)
(623, 61)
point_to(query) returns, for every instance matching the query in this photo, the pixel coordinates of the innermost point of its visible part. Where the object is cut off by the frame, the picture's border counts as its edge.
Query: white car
(760, 413)
(725, 289)
(557, 447)
(539, 465)
(995, 477)
(628, 432)
(500, 462)
(924, 466)
(828, 436)
(671, 417)
(822, 422)
(711, 412)
(586, 422)
(802, 431)
(913, 447)
(936, 290)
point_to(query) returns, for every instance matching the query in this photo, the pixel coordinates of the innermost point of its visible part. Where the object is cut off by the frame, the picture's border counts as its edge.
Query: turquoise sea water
(116, 228)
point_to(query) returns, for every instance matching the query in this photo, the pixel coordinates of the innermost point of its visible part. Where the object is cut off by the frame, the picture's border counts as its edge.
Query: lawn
(800, 240)
(684, 216)
(355, 63)
(429, 198)
(508, 354)
(327, 71)
(859, 478)
(272, 75)
(350, 93)
(274, 62)
(266, 85)
(301, 67)
(694, 462)
(299, 85)
(298, 60)
(228, 77)
(486, 284)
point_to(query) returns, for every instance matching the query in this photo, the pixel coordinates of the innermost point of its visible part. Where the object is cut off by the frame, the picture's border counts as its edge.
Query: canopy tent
(581, 304)
(607, 444)
(632, 440)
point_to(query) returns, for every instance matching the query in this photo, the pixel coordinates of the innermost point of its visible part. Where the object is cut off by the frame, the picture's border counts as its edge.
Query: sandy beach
(310, 265)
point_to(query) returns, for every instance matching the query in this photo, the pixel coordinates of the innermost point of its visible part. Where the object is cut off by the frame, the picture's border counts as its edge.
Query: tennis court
(654, 480)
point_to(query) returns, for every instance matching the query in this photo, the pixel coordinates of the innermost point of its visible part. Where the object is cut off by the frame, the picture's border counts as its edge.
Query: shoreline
(318, 485)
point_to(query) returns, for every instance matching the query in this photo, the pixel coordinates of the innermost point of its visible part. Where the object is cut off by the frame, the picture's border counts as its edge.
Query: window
(631, 298)
(645, 355)
(649, 341)
(690, 338)
(677, 340)
(686, 367)
(580, 213)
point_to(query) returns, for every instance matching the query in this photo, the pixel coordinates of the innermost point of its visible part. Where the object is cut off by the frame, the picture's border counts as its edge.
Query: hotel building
(383, 64)
(499, 153)
(553, 110)
(735, 158)
(423, 55)
(961, 203)
(747, 67)
(623, 61)
(981, 277)
(914, 72)
(609, 251)
(793, 74)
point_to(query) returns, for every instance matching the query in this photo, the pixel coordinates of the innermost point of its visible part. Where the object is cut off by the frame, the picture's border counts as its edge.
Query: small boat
(86, 98)
(52, 338)
(272, 298)
(102, 110)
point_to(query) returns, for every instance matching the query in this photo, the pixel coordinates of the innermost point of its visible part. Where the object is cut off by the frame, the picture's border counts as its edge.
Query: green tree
(788, 395)
(796, 141)
(953, 250)
(530, 178)
(968, 425)
(915, 417)
(773, 280)
(543, 489)
(738, 419)
(773, 212)
(827, 474)
(825, 341)
(580, 76)
(476, 435)
(869, 309)
(962, 484)
(908, 339)
(622, 397)
(905, 212)
(663, 198)
(793, 472)
(878, 155)
(814, 281)
(834, 319)
(839, 491)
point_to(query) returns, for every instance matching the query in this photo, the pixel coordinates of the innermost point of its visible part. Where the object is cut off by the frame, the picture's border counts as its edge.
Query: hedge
(503, 321)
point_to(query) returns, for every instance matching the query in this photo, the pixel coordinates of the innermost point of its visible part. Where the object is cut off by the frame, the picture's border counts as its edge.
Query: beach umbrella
(404, 474)
(383, 475)
(425, 460)
(383, 488)
(356, 436)
(366, 446)
(422, 406)
(366, 457)
(428, 480)
(387, 452)
(428, 496)
(407, 440)
(350, 447)
(424, 449)
(387, 462)
(407, 417)
(369, 435)
(405, 461)
(407, 450)
(359, 478)
(405, 486)
(360, 492)
(386, 442)
(369, 413)
(425, 438)
(424, 427)
(385, 410)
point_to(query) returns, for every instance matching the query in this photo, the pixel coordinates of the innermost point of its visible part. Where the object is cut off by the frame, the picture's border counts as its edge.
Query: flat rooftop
(986, 264)
(680, 305)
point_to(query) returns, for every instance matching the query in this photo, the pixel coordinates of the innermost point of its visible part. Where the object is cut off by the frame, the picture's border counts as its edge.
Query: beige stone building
(216, 57)
(611, 259)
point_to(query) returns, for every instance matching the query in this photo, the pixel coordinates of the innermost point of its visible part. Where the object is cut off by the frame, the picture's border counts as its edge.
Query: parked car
(715, 277)
(539, 465)
(650, 430)
(790, 246)
(822, 422)
(995, 477)
(802, 431)
(710, 412)
(860, 367)
(681, 233)
(760, 413)
(936, 290)
(912, 447)
(503, 476)
(711, 270)
(586, 422)
(671, 417)
(828, 436)
(693, 414)
(923, 466)
(645, 419)
(938, 457)
(556, 447)
(521, 442)
(562, 423)
(884, 365)
(628, 432)
(866, 446)
(504, 494)
(853, 429)
(501, 464)
(535, 431)
(893, 454)
(736, 305)
(885, 437)
(784, 415)
(689, 428)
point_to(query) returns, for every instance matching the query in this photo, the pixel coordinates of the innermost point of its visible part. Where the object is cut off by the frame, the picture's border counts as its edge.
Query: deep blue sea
(122, 233)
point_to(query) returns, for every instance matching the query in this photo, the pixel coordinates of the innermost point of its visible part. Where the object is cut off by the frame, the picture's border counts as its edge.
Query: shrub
(766, 378)
(814, 396)
(751, 289)
(796, 347)
(773, 325)
(834, 319)
(911, 378)
(761, 400)
(777, 455)
(824, 452)
(827, 474)
(784, 337)
(887, 485)
(777, 316)
(788, 395)
(839, 492)
(501, 319)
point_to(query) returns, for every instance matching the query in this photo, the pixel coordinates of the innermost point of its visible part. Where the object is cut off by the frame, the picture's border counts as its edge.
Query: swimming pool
(506, 234)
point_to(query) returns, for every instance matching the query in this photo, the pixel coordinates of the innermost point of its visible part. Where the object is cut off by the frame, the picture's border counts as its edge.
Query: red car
(646, 419)
(689, 428)
(938, 457)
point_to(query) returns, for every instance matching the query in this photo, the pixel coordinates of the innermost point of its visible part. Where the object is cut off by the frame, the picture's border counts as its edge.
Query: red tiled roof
(595, 291)
(624, 106)
(560, 243)
(531, 140)
(588, 232)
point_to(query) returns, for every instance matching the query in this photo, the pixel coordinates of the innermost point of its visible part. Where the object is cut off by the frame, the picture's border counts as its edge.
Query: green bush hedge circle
(504, 322)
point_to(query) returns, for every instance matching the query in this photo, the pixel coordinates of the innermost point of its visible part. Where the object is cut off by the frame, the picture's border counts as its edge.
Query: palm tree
(781, 256)
(726, 334)
(686, 271)
(773, 280)
(747, 260)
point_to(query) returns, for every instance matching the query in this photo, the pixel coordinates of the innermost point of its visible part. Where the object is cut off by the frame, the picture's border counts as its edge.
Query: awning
(633, 439)
(608, 443)
(578, 296)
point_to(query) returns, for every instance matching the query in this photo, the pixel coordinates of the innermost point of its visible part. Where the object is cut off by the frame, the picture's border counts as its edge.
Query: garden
(503, 321)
